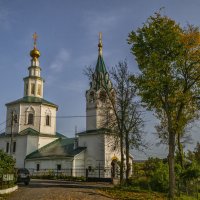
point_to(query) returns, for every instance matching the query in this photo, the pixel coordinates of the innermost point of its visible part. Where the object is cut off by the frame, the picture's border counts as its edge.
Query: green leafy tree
(6, 163)
(169, 61)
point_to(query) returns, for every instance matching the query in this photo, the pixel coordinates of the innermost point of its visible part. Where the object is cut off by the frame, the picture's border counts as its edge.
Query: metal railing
(98, 173)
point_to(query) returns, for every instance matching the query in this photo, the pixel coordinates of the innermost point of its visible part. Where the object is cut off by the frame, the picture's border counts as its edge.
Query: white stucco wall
(32, 144)
(21, 148)
(111, 150)
(45, 140)
(95, 149)
(51, 111)
(24, 119)
(66, 163)
(40, 112)
(16, 110)
(91, 121)
(24, 146)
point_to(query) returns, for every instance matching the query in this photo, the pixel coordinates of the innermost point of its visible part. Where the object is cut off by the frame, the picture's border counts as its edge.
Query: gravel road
(59, 190)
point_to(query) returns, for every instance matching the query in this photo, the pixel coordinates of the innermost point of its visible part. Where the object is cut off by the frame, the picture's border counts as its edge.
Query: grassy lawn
(136, 194)
(132, 194)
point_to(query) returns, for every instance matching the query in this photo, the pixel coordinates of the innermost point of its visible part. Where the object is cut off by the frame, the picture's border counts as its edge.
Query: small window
(48, 120)
(30, 118)
(32, 88)
(26, 88)
(15, 118)
(39, 89)
(89, 168)
(59, 167)
(7, 147)
(38, 167)
(14, 147)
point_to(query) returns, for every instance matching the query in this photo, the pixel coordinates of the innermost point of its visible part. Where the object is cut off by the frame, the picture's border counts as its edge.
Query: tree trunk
(122, 159)
(180, 150)
(171, 165)
(127, 158)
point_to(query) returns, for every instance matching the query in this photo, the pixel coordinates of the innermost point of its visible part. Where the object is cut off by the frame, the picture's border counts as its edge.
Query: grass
(127, 193)
(132, 194)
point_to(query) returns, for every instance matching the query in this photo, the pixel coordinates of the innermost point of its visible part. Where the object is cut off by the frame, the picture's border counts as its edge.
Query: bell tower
(32, 111)
(96, 96)
(33, 84)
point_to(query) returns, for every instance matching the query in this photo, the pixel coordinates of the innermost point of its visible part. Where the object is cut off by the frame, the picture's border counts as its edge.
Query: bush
(7, 164)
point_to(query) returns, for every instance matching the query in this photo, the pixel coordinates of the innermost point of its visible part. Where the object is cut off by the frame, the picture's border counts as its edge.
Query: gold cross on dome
(35, 36)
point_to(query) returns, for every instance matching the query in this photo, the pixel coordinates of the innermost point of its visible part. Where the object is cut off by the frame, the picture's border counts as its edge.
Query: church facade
(31, 136)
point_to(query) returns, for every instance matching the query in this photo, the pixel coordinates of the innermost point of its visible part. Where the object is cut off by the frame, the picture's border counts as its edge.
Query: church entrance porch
(115, 168)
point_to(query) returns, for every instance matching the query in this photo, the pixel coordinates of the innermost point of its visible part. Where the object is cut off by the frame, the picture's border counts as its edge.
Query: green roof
(30, 99)
(100, 66)
(101, 76)
(57, 149)
(30, 131)
(100, 73)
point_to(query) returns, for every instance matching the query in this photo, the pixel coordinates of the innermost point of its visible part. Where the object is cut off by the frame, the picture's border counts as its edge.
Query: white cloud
(96, 23)
(60, 60)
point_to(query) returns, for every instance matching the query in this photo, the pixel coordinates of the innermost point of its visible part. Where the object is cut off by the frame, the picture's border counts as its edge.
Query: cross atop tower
(35, 36)
(100, 45)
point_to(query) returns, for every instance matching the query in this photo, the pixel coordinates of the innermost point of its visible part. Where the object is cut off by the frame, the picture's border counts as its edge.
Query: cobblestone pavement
(59, 190)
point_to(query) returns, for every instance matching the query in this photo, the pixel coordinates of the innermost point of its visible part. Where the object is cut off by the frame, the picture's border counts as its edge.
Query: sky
(67, 39)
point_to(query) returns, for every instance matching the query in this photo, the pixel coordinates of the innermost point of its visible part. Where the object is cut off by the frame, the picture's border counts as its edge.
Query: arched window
(30, 113)
(48, 120)
(30, 118)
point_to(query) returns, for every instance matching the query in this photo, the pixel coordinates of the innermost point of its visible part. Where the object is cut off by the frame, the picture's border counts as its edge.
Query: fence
(96, 173)
(7, 180)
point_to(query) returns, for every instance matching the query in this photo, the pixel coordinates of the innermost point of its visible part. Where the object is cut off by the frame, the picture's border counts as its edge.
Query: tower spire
(100, 45)
(35, 53)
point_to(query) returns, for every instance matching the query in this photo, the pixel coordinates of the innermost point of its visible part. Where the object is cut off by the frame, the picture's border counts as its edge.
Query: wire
(68, 116)
(3, 122)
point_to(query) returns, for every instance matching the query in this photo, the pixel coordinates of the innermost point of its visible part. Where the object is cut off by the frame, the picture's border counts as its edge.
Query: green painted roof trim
(32, 132)
(58, 148)
(30, 99)
(94, 132)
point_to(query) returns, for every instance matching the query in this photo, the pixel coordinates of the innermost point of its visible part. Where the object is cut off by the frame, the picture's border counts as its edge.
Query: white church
(31, 137)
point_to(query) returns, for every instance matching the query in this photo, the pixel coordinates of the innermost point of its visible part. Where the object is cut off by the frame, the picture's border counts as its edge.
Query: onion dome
(35, 54)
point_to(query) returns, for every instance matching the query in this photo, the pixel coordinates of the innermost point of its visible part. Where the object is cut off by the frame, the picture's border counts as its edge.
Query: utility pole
(11, 132)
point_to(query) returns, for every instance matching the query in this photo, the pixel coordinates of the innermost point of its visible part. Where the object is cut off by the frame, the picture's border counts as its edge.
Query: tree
(126, 112)
(6, 163)
(169, 60)
(123, 121)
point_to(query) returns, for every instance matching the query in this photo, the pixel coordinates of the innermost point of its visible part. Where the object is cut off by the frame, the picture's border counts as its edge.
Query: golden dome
(35, 53)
